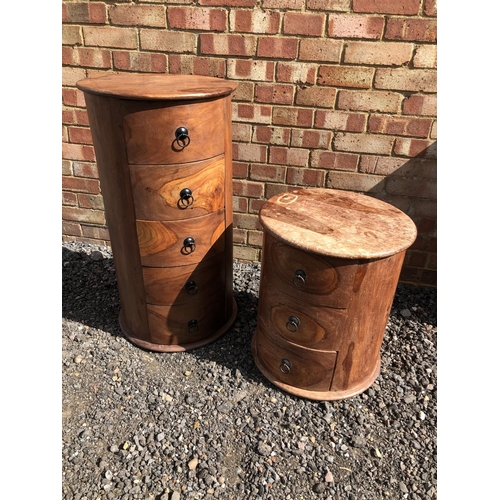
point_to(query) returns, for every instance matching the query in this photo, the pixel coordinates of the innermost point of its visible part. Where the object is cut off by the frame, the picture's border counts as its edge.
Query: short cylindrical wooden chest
(331, 262)
(163, 152)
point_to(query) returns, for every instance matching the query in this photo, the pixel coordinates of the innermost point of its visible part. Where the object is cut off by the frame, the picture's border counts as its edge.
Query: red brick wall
(332, 93)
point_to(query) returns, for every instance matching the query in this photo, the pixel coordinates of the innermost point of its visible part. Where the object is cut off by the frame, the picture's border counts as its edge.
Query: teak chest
(163, 152)
(330, 266)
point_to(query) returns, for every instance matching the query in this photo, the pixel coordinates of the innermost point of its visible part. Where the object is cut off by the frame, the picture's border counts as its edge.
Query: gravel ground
(206, 424)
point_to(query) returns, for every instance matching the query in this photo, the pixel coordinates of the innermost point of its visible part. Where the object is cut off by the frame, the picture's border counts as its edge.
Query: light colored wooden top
(338, 223)
(157, 86)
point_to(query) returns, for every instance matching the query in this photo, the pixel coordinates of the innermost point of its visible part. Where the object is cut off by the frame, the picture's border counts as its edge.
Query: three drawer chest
(163, 153)
(331, 262)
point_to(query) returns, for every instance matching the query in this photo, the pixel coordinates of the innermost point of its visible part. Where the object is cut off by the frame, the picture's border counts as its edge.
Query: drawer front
(150, 131)
(186, 323)
(296, 366)
(313, 278)
(300, 323)
(184, 284)
(178, 191)
(166, 244)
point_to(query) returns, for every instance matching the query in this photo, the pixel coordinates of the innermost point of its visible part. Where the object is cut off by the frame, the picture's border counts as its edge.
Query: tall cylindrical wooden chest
(330, 266)
(163, 153)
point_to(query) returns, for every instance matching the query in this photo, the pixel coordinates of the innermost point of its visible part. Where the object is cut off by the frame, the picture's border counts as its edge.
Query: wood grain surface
(156, 189)
(149, 129)
(338, 223)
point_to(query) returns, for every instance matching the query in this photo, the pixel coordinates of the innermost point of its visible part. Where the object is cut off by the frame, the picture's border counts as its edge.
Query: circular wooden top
(338, 223)
(157, 86)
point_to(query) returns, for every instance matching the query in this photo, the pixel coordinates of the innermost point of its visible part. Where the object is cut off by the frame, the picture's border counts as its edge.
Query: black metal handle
(189, 245)
(182, 137)
(186, 197)
(299, 278)
(292, 324)
(192, 326)
(191, 288)
(285, 366)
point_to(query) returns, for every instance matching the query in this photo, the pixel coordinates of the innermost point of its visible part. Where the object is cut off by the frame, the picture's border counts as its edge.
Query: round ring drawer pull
(182, 137)
(193, 326)
(292, 324)
(285, 366)
(299, 279)
(189, 245)
(191, 288)
(186, 197)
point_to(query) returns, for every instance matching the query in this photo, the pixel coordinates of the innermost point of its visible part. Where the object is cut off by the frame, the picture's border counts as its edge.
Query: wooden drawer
(157, 190)
(184, 284)
(295, 366)
(150, 127)
(161, 243)
(186, 323)
(317, 279)
(299, 322)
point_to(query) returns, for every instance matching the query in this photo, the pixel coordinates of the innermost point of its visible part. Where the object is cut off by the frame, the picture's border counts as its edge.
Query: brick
(381, 165)
(141, 62)
(81, 56)
(244, 91)
(197, 18)
(321, 97)
(425, 105)
(336, 5)
(274, 93)
(334, 161)
(75, 117)
(305, 177)
(73, 97)
(432, 261)
(425, 208)
(292, 116)
(71, 75)
(167, 41)
(313, 139)
(313, 49)
(247, 69)
(399, 125)
(272, 135)
(85, 169)
(254, 21)
(411, 29)
(69, 199)
(245, 254)
(416, 259)
(378, 53)
(226, 3)
(403, 7)
(427, 227)
(78, 152)
(80, 135)
(340, 120)
(228, 45)
(415, 148)
(81, 184)
(430, 8)
(194, 65)
(350, 181)
(240, 170)
(255, 238)
(249, 189)
(239, 235)
(274, 189)
(363, 143)
(249, 152)
(346, 76)
(247, 221)
(433, 134)
(355, 26)
(242, 132)
(93, 201)
(288, 156)
(121, 38)
(96, 233)
(252, 113)
(277, 48)
(283, 4)
(67, 168)
(138, 15)
(414, 80)
(273, 173)
(417, 168)
(72, 35)
(71, 228)
(425, 56)
(295, 72)
(302, 23)
(83, 215)
(411, 187)
(369, 100)
(84, 13)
